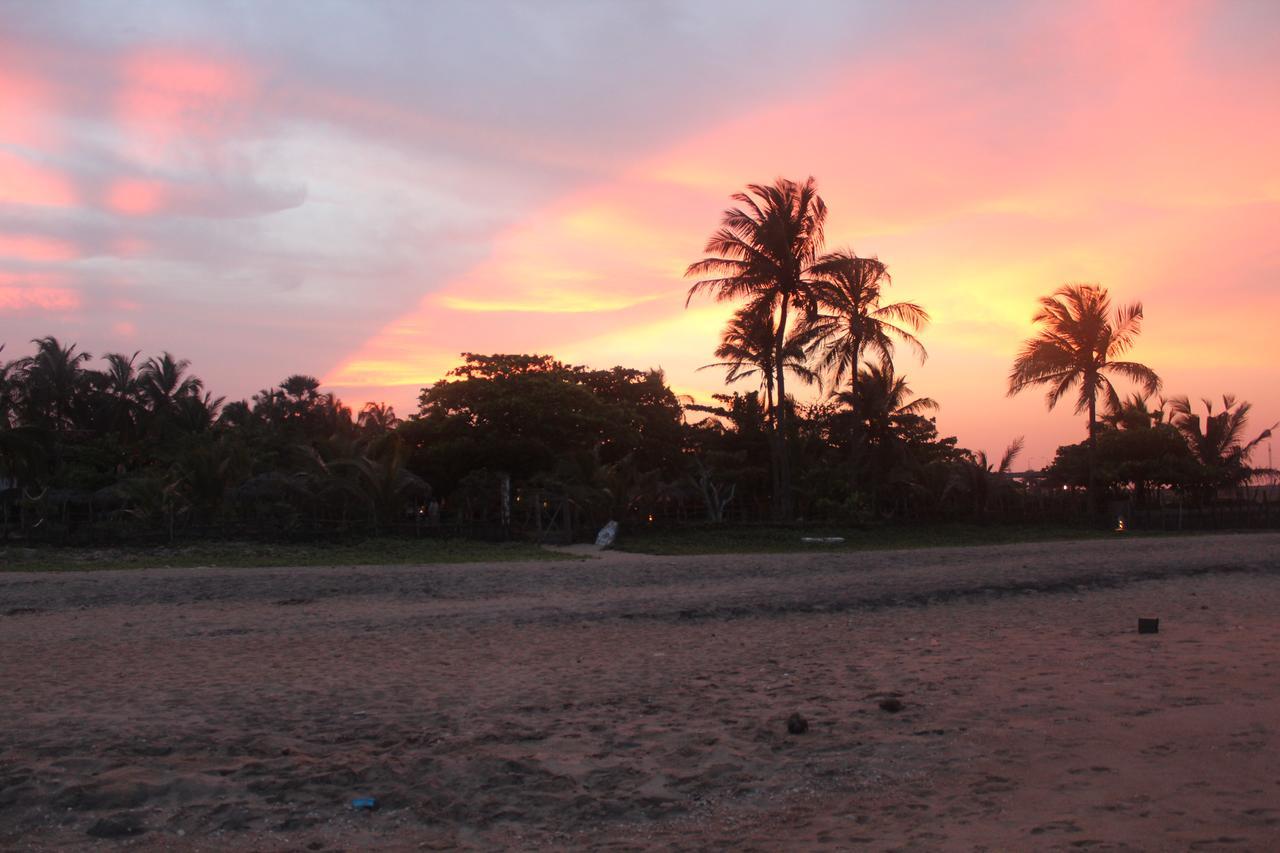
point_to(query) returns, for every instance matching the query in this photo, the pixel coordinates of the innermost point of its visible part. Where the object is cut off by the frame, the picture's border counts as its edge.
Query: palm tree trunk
(768, 396)
(1092, 454)
(771, 425)
(855, 438)
(782, 500)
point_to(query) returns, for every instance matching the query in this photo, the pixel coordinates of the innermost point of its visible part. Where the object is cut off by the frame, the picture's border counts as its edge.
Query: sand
(635, 702)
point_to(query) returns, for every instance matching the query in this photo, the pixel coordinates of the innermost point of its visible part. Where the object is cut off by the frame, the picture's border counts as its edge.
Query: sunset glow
(264, 205)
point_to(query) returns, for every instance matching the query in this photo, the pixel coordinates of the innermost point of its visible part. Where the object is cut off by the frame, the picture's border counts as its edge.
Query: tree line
(816, 316)
(125, 445)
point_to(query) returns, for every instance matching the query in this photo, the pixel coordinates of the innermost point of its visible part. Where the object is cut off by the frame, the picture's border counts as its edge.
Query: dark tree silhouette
(851, 319)
(747, 349)
(1218, 442)
(763, 253)
(53, 379)
(1080, 341)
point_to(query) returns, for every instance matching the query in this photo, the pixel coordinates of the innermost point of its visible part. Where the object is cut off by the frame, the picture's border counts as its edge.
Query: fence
(1253, 515)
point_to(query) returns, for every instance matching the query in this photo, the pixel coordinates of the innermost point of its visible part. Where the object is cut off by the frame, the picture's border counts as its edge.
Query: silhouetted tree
(53, 380)
(851, 319)
(747, 349)
(763, 253)
(1079, 343)
(1218, 441)
(973, 475)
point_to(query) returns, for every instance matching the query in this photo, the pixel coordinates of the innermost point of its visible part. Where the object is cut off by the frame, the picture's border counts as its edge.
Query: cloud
(25, 182)
(36, 292)
(502, 176)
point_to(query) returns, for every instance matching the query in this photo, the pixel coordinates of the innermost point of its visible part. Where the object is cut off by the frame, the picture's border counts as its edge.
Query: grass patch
(779, 540)
(255, 554)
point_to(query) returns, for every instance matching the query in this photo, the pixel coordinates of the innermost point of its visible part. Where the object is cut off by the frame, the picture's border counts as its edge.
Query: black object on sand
(891, 705)
(797, 724)
(1148, 626)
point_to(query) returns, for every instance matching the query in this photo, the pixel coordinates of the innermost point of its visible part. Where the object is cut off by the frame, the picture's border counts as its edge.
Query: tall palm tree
(851, 319)
(1080, 341)
(763, 252)
(10, 390)
(973, 474)
(378, 418)
(879, 396)
(164, 382)
(22, 448)
(879, 402)
(1218, 442)
(54, 382)
(1135, 412)
(120, 398)
(746, 350)
(196, 412)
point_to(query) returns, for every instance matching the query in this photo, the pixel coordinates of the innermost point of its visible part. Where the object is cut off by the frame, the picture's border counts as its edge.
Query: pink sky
(363, 192)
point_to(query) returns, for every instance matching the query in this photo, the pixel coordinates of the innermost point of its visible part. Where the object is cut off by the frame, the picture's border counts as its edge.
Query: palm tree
(197, 413)
(23, 449)
(879, 396)
(1079, 343)
(378, 418)
(746, 350)
(1218, 442)
(10, 390)
(974, 475)
(763, 252)
(879, 402)
(851, 319)
(1135, 412)
(119, 402)
(54, 380)
(164, 382)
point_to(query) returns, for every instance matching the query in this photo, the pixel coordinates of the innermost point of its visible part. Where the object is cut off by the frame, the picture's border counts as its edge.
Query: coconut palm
(10, 390)
(196, 412)
(164, 382)
(378, 418)
(1218, 441)
(880, 402)
(53, 380)
(1135, 412)
(24, 448)
(119, 402)
(1079, 343)
(746, 350)
(851, 319)
(879, 396)
(984, 483)
(763, 252)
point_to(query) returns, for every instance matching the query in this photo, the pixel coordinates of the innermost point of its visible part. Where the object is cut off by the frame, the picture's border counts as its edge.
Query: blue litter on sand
(367, 804)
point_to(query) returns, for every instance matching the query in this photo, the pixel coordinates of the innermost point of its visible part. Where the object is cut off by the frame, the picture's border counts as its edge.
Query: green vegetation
(373, 552)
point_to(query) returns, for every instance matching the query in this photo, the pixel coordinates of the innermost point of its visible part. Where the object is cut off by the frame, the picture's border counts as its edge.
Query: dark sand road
(640, 701)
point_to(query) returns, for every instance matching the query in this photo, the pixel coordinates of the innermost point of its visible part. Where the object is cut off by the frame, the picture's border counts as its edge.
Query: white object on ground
(824, 540)
(607, 534)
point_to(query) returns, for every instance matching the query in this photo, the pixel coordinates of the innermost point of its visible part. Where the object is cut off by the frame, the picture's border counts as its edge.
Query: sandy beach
(630, 702)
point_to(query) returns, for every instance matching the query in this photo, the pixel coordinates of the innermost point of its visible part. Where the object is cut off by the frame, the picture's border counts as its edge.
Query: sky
(361, 191)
